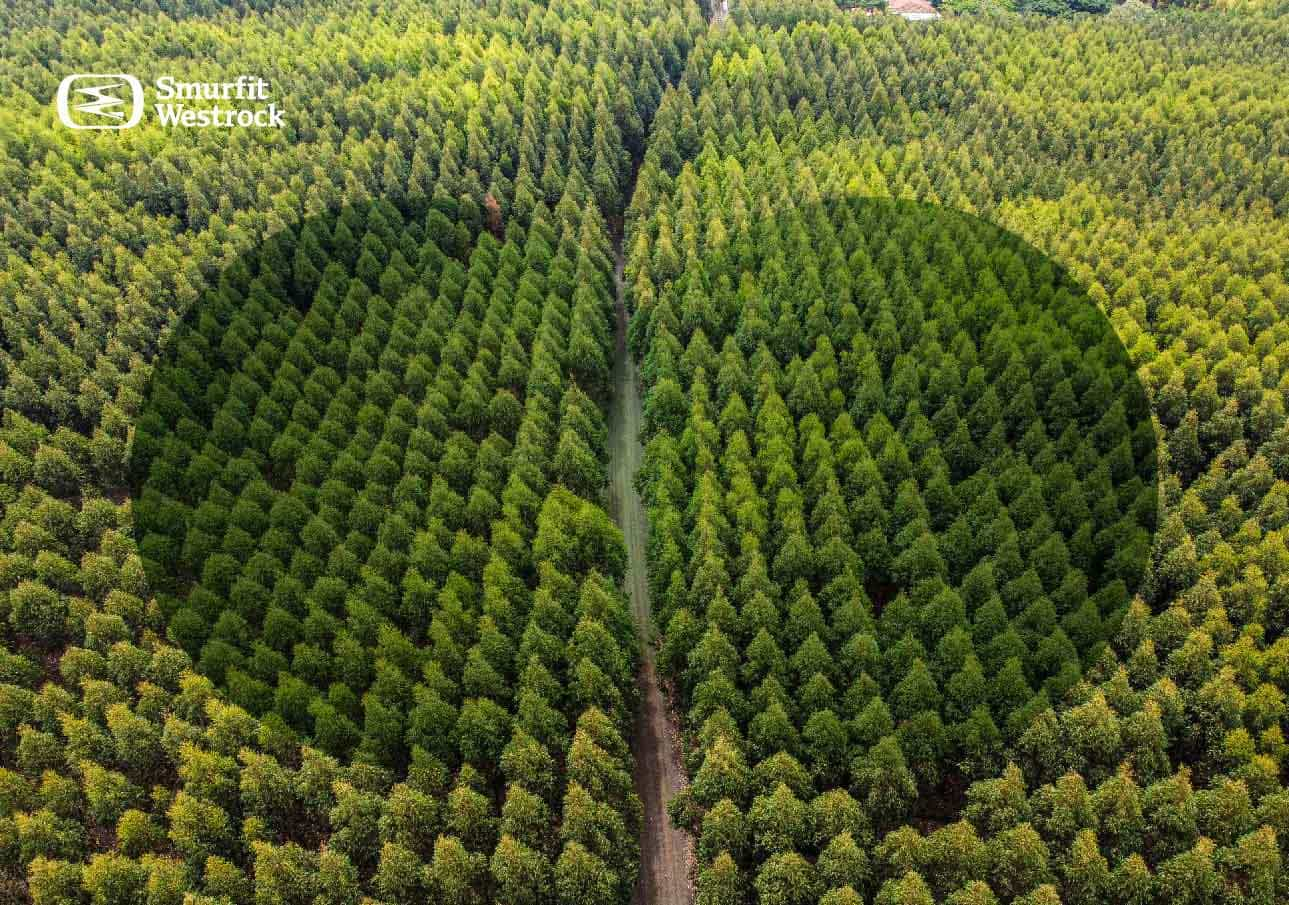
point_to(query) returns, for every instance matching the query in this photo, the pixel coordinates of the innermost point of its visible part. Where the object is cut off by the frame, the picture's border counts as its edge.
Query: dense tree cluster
(973, 585)
(873, 710)
(788, 12)
(110, 240)
(372, 521)
(972, 114)
(321, 605)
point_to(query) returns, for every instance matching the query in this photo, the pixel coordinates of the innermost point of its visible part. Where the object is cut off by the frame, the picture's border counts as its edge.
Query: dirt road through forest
(666, 853)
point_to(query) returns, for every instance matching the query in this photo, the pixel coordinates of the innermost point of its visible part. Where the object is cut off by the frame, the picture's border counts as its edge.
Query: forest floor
(666, 853)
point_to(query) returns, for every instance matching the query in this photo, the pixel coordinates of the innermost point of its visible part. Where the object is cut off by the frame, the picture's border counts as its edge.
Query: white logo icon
(94, 101)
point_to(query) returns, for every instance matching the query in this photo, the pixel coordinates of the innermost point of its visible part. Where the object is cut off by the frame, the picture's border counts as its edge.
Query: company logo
(97, 101)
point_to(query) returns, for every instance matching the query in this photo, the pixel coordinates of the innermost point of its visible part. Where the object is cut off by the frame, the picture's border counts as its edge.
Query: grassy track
(666, 853)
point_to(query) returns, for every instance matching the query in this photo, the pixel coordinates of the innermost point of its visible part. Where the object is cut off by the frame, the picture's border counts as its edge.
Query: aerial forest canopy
(963, 350)
(893, 517)
(332, 462)
(919, 459)
(317, 599)
(903, 674)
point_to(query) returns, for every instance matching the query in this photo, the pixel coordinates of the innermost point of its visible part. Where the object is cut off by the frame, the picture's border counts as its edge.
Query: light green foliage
(308, 595)
(1006, 506)
(303, 452)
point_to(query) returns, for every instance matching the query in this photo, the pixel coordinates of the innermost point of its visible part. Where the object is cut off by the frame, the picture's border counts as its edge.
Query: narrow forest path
(666, 853)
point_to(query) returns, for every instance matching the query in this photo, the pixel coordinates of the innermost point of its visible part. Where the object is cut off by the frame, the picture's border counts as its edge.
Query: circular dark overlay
(901, 477)
(954, 437)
